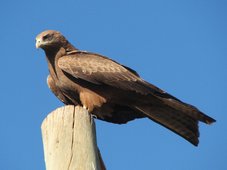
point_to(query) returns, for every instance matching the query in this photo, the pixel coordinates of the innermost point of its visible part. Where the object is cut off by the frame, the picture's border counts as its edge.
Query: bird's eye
(47, 37)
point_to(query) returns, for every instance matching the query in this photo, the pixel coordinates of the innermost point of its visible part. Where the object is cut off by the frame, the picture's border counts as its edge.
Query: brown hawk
(111, 91)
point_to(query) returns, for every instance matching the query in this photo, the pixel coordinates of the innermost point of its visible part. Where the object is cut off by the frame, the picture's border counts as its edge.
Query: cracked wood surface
(69, 140)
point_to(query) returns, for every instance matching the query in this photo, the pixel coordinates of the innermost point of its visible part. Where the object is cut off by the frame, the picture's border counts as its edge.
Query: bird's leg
(92, 115)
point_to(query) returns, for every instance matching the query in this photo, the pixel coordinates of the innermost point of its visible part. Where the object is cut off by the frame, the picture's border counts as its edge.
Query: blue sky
(180, 46)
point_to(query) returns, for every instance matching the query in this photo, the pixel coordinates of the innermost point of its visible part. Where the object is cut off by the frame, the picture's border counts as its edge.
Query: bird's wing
(98, 70)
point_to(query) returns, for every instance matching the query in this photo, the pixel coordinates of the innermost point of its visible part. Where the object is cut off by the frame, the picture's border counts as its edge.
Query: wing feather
(98, 69)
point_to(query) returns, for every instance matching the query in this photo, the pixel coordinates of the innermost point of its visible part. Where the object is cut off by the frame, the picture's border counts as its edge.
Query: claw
(85, 107)
(94, 116)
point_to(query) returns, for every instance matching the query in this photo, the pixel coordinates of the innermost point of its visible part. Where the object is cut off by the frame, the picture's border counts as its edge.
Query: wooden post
(69, 140)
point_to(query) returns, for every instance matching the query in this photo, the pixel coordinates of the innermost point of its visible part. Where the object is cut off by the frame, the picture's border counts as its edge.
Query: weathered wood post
(69, 140)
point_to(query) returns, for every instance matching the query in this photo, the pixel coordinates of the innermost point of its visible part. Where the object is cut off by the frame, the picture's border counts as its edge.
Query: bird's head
(50, 39)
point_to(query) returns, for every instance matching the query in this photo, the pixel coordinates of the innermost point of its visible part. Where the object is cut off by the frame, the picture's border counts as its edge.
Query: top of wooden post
(69, 140)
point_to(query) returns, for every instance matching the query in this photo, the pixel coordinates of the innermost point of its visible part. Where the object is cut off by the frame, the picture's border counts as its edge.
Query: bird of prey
(111, 91)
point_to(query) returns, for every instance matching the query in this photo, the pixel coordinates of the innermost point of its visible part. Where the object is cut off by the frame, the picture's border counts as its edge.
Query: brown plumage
(111, 91)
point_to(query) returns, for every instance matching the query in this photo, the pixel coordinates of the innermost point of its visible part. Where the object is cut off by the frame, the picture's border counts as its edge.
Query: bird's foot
(94, 116)
(85, 107)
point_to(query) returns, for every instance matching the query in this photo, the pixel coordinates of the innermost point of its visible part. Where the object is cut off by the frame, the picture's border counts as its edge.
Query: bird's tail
(189, 110)
(178, 122)
(176, 104)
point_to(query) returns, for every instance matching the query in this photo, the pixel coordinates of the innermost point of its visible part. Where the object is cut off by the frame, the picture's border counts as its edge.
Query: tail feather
(177, 104)
(176, 121)
(189, 110)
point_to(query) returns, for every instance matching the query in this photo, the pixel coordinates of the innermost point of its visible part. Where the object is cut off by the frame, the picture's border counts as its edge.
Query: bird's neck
(69, 47)
(52, 57)
(54, 54)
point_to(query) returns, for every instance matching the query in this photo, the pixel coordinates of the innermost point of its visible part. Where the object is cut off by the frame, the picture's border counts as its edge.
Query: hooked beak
(38, 43)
